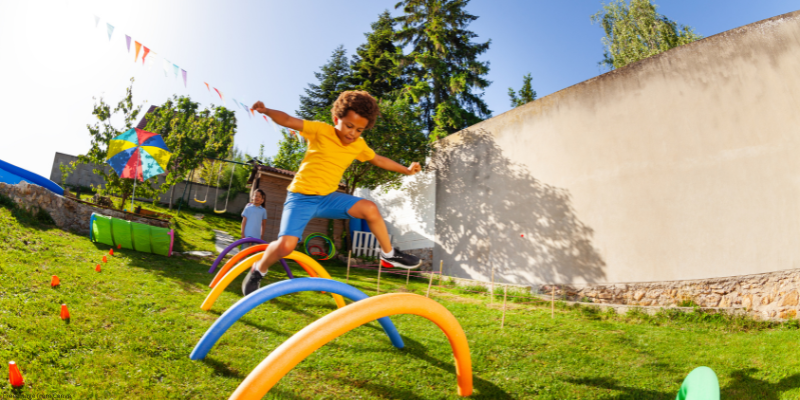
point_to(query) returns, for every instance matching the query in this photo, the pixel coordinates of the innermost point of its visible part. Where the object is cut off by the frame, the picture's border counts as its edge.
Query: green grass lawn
(134, 324)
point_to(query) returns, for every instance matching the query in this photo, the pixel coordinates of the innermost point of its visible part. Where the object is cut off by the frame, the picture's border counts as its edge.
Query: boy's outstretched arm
(280, 117)
(391, 165)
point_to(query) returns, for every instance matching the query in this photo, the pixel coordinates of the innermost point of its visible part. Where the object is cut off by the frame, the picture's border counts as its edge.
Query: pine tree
(446, 72)
(334, 78)
(635, 31)
(526, 94)
(376, 67)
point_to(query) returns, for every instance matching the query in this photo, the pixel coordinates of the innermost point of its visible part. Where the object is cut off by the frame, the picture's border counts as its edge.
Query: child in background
(254, 218)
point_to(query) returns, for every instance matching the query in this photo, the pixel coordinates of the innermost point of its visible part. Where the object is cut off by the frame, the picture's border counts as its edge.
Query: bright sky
(54, 59)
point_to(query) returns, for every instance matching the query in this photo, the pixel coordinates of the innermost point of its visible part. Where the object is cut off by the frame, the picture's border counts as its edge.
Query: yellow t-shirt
(326, 159)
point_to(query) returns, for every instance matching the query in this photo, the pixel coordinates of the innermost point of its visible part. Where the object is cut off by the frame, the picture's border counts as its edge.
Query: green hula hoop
(326, 239)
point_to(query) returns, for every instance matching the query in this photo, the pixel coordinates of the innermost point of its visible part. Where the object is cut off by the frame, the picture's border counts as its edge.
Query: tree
(526, 94)
(193, 135)
(446, 72)
(291, 150)
(636, 31)
(375, 66)
(333, 80)
(102, 132)
(397, 134)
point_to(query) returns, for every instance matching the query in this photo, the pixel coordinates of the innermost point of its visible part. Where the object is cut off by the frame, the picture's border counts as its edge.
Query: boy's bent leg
(368, 211)
(275, 251)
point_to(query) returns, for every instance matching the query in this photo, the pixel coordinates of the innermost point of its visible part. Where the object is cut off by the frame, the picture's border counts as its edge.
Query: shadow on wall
(416, 195)
(484, 202)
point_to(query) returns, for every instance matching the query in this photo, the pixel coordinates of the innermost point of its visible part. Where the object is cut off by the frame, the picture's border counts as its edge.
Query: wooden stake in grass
(408, 275)
(491, 300)
(348, 266)
(503, 321)
(553, 303)
(380, 267)
(430, 282)
(440, 272)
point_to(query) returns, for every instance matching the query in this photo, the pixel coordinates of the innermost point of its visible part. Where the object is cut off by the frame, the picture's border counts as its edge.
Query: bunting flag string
(150, 57)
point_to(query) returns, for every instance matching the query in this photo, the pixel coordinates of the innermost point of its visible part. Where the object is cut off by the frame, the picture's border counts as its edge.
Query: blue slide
(12, 175)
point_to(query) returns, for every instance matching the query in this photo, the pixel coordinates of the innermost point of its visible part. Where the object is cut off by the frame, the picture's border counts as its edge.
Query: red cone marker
(64, 312)
(54, 281)
(14, 376)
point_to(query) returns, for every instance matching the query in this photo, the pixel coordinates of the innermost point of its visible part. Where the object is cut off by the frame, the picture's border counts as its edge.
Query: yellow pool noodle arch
(259, 248)
(248, 262)
(343, 320)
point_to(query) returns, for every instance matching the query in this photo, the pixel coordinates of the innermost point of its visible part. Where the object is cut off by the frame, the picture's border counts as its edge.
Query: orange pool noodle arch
(343, 320)
(249, 251)
(245, 265)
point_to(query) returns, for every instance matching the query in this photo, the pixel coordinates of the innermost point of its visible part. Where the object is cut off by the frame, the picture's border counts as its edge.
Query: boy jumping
(312, 194)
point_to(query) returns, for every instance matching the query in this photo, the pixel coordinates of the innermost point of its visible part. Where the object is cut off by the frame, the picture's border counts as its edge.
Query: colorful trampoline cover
(138, 154)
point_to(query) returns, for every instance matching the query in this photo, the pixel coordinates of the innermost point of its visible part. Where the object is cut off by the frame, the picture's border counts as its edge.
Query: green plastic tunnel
(131, 235)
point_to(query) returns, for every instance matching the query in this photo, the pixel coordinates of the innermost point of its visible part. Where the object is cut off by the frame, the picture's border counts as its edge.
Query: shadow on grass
(630, 393)
(744, 386)
(221, 369)
(483, 389)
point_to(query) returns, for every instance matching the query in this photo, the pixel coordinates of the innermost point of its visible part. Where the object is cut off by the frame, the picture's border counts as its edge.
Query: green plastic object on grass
(101, 229)
(700, 384)
(121, 231)
(141, 238)
(131, 235)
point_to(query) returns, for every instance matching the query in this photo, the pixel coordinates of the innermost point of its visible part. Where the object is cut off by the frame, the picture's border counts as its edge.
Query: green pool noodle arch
(700, 384)
(131, 235)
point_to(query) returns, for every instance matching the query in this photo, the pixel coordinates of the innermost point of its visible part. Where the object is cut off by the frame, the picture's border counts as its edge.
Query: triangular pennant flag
(151, 60)
(138, 47)
(252, 111)
(110, 29)
(96, 21)
(218, 93)
(184, 77)
(128, 41)
(207, 87)
(265, 118)
(175, 67)
(167, 65)
(144, 55)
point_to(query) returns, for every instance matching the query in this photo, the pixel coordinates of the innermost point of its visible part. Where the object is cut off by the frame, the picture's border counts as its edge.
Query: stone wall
(772, 295)
(67, 213)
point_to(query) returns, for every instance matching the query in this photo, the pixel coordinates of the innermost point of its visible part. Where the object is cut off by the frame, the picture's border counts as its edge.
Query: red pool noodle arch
(242, 255)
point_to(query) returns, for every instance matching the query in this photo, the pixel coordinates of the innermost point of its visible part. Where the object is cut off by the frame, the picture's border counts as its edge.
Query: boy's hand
(259, 106)
(414, 168)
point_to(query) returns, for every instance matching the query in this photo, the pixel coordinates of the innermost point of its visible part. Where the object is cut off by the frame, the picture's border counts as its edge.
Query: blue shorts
(299, 209)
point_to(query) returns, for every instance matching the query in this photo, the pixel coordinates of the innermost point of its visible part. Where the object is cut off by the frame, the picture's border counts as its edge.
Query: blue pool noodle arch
(278, 289)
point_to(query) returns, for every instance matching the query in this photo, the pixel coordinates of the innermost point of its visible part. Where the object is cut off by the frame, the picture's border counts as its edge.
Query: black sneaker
(251, 282)
(400, 260)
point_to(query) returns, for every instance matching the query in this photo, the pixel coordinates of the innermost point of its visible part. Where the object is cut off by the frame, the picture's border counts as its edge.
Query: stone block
(791, 299)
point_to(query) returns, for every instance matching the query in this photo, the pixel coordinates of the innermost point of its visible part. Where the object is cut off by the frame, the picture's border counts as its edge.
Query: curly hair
(360, 102)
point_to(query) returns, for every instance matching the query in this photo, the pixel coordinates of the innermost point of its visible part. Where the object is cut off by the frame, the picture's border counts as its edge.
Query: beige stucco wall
(682, 166)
